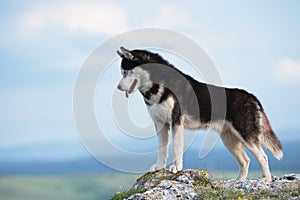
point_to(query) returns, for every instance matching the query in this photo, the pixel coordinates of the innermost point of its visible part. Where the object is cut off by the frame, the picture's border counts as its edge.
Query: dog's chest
(162, 112)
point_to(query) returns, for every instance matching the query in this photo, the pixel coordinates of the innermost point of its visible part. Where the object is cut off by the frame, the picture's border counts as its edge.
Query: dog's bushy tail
(272, 144)
(270, 140)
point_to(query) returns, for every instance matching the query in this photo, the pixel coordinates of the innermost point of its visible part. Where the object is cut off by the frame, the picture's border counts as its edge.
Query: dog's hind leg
(178, 146)
(258, 152)
(163, 134)
(235, 146)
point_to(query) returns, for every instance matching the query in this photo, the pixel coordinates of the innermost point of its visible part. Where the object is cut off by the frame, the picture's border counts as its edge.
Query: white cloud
(90, 17)
(175, 17)
(180, 18)
(287, 70)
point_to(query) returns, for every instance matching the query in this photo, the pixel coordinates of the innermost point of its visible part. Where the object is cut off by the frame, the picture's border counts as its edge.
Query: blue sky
(255, 45)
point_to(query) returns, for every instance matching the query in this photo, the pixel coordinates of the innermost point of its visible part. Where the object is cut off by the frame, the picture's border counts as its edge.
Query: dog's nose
(119, 87)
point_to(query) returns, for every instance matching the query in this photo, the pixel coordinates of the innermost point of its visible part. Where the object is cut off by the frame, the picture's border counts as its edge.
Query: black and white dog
(177, 101)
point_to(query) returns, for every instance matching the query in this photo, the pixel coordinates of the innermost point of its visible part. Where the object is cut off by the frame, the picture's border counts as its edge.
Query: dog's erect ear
(125, 53)
(120, 54)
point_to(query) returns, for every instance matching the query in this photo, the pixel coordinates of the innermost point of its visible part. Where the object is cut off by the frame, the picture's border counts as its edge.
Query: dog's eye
(125, 73)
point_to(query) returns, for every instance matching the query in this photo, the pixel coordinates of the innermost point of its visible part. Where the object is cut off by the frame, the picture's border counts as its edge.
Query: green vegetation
(123, 195)
(73, 187)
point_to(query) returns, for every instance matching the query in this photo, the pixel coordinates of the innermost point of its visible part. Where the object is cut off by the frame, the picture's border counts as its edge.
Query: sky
(254, 45)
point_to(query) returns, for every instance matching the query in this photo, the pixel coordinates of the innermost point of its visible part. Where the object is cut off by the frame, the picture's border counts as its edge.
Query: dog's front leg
(163, 134)
(178, 145)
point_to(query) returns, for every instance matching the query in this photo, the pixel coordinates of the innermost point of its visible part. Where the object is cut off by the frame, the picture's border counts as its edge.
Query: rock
(260, 184)
(165, 185)
(196, 184)
(291, 177)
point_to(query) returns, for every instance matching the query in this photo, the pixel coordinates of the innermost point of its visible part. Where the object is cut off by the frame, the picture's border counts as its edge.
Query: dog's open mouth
(127, 92)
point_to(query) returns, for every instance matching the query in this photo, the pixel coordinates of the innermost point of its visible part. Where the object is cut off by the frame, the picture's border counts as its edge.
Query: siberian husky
(176, 101)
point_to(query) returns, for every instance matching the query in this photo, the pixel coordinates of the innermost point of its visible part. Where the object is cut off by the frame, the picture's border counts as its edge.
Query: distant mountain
(219, 159)
(82, 165)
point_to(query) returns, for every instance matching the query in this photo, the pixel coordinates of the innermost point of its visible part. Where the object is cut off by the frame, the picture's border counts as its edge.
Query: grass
(124, 195)
(73, 187)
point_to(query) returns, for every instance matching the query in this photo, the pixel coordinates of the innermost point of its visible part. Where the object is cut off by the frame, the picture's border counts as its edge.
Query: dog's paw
(156, 167)
(267, 179)
(239, 179)
(175, 168)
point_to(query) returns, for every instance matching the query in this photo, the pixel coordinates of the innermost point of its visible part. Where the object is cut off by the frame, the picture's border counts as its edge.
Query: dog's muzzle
(120, 88)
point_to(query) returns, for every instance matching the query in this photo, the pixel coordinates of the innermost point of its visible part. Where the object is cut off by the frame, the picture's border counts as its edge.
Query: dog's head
(134, 76)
